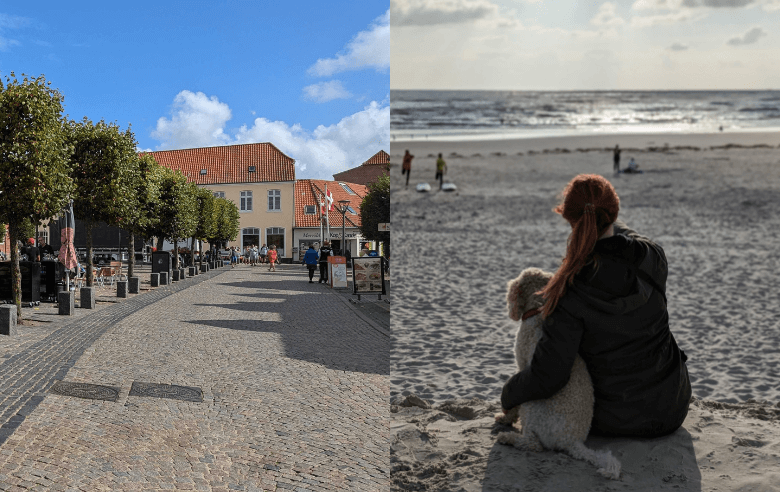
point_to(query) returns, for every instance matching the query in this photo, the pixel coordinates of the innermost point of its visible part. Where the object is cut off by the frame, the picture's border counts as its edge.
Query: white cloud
(196, 121)
(607, 16)
(429, 12)
(674, 17)
(328, 149)
(326, 91)
(6, 43)
(13, 21)
(368, 49)
(199, 121)
(749, 37)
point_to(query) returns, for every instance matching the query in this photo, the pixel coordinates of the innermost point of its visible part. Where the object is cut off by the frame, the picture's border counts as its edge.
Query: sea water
(482, 115)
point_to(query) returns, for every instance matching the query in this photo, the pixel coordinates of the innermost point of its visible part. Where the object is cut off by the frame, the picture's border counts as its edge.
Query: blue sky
(311, 77)
(574, 45)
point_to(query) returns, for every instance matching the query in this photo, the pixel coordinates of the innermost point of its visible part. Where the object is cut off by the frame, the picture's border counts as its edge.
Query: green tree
(207, 218)
(105, 170)
(145, 195)
(175, 211)
(34, 167)
(375, 209)
(227, 221)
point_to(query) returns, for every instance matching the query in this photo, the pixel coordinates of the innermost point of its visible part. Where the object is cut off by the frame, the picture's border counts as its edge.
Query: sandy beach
(711, 200)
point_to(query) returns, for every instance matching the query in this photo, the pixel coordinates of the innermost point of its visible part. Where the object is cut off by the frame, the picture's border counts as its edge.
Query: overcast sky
(570, 45)
(311, 77)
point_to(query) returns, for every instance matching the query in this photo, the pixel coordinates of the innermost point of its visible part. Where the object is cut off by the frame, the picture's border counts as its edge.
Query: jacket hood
(614, 286)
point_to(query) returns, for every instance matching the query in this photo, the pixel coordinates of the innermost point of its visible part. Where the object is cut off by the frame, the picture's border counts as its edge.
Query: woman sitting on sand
(607, 302)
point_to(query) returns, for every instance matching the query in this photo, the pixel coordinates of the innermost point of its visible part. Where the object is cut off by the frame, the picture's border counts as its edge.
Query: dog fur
(561, 422)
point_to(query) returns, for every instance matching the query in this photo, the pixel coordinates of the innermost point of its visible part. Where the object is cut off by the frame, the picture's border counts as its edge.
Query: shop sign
(368, 275)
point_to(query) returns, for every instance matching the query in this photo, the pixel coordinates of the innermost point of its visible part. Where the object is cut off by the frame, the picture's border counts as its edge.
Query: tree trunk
(90, 255)
(160, 241)
(192, 252)
(16, 274)
(176, 253)
(200, 255)
(131, 257)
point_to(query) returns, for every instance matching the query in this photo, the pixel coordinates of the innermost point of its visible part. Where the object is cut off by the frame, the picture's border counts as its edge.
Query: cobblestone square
(294, 380)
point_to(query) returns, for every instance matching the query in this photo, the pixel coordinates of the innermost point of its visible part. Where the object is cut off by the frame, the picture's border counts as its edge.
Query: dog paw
(502, 418)
(507, 438)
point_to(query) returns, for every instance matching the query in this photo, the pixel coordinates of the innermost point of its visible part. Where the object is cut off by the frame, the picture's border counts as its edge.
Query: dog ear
(513, 294)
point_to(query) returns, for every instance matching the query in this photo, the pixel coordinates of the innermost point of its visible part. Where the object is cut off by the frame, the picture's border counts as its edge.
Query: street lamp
(343, 206)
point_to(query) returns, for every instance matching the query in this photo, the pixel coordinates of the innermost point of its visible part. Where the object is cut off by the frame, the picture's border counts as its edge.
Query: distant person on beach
(441, 170)
(616, 159)
(607, 303)
(633, 167)
(406, 166)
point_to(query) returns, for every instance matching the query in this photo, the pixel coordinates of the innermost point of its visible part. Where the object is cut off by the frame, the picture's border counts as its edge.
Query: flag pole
(327, 210)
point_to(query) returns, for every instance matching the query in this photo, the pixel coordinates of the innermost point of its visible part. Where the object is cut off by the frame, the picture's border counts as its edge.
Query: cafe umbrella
(67, 254)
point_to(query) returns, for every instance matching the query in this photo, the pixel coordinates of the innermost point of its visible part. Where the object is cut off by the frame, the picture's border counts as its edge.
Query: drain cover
(154, 390)
(85, 390)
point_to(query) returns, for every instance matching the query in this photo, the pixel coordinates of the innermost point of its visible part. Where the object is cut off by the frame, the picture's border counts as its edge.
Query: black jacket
(325, 251)
(615, 317)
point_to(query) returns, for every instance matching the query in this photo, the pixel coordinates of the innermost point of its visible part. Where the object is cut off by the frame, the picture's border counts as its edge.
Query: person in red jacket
(607, 303)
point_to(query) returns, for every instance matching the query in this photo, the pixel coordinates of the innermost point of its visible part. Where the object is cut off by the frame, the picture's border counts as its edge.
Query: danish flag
(329, 198)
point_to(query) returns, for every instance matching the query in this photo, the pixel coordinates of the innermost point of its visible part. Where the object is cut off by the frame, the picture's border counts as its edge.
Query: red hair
(590, 205)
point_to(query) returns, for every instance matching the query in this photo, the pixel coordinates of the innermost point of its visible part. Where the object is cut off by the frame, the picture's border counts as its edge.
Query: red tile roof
(306, 192)
(367, 172)
(230, 163)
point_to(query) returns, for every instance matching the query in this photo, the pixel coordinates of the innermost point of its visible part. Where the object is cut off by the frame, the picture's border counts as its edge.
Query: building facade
(258, 178)
(368, 172)
(310, 222)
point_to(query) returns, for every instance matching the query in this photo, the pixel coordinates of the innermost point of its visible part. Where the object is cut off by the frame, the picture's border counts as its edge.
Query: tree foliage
(175, 210)
(375, 209)
(145, 195)
(227, 221)
(34, 167)
(106, 172)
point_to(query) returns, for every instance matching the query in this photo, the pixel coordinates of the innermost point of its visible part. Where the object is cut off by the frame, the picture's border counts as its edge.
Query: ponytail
(590, 204)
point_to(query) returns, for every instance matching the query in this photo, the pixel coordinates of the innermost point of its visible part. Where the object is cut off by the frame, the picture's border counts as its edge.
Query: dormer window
(310, 210)
(347, 189)
(203, 172)
(251, 169)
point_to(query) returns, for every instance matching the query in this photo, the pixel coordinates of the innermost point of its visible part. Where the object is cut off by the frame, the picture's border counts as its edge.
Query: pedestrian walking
(310, 260)
(325, 252)
(272, 257)
(616, 159)
(263, 253)
(441, 170)
(406, 166)
(233, 257)
(253, 254)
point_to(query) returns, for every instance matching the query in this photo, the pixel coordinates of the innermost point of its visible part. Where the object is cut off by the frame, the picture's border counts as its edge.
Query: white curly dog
(561, 422)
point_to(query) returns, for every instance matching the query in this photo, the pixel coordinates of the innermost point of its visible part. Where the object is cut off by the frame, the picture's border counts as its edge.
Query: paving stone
(293, 377)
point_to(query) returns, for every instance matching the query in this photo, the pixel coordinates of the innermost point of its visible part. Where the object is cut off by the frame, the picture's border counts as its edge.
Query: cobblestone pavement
(294, 380)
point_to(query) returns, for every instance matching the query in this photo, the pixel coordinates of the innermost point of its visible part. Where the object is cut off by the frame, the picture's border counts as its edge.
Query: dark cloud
(429, 12)
(749, 37)
(678, 47)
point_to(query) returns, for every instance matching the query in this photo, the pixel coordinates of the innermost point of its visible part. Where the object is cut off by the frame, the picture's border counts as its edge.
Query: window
(347, 189)
(310, 210)
(351, 210)
(219, 194)
(275, 235)
(274, 200)
(250, 236)
(251, 169)
(43, 235)
(203, 172)
(246, 201)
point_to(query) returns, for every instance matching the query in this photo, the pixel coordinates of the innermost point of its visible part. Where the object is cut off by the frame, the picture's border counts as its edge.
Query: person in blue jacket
(310, 259)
